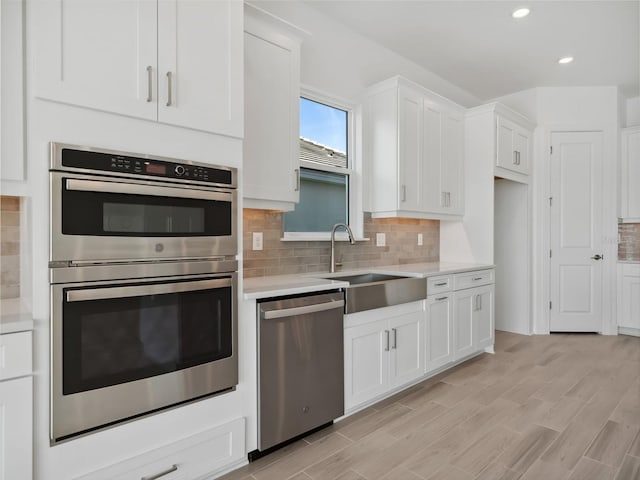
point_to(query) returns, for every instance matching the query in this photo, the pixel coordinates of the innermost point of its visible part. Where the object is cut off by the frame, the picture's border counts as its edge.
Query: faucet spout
(333, 242)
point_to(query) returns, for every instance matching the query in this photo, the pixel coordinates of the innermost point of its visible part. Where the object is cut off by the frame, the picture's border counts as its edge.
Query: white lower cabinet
(383, 350)
(439, 330)
(197, 457)
(629, 299)
(473, 320)
(16, 414)
(16, 406)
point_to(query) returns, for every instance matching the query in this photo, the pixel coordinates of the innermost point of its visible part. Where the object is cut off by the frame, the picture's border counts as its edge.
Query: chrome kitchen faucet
(333, 243)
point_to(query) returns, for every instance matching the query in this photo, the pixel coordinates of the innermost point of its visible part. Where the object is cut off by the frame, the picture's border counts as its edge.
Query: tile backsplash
(280, 258)
(9, 247)
(629, 246)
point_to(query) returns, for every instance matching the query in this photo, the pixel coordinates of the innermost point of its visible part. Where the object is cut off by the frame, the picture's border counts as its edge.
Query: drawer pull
(441, 284)
(173, 468)
(477, 278)
(439, 299)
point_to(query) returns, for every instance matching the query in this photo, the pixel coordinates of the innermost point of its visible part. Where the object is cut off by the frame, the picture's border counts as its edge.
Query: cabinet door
(463, 325)
(630, 317)
(271, 133)
(452, 163)
(433, 195)
(410, 149)
(483, 317)
(366, 362)
(406, 361)
(521, 145)
(630, 174)
(99, 54)
(200, 65)
(439, 331)
(15, 428)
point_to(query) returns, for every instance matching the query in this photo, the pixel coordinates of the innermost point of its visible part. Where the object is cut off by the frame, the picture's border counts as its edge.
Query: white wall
(512, 256)
(571, 109)
(343, 63)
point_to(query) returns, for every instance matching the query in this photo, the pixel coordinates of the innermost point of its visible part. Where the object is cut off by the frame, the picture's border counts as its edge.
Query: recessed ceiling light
(564, 60)
(520, 13)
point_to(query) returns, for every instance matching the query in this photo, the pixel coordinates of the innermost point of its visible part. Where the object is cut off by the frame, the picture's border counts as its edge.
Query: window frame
(353, 171)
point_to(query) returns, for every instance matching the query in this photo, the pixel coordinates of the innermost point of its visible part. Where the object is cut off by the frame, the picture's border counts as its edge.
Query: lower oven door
(125, 349)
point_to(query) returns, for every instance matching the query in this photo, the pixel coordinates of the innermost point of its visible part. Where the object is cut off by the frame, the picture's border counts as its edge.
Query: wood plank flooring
(555, 407)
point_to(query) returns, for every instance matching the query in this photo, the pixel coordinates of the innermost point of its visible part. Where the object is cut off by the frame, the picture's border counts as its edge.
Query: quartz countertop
(275, 286)
(14, 316)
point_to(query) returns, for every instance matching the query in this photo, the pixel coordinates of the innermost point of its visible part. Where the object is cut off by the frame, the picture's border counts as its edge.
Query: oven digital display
(155, 168)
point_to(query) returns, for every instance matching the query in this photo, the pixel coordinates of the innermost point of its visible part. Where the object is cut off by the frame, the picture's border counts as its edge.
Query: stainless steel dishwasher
(300, 365)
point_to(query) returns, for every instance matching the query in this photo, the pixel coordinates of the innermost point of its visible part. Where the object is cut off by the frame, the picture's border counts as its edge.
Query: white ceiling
(478, 46)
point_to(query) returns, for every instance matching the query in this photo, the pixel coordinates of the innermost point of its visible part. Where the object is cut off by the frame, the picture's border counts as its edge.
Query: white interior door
(576, 232)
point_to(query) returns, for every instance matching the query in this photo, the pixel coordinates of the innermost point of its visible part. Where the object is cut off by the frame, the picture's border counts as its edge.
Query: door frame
(542, 222)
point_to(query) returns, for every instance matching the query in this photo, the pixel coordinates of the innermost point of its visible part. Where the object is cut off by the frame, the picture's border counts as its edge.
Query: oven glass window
(116, 214)
(117, 340)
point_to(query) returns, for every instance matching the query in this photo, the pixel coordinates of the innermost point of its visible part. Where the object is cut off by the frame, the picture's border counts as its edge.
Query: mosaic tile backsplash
(281, 258)
(9, 247)
(629, 246)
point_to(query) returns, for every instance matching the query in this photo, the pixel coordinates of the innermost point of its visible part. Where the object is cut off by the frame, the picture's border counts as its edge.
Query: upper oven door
(96, 218)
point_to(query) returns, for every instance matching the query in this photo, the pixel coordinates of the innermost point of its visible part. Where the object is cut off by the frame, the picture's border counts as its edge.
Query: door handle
(150, 83)
(169, 101)
(404, 193)
(395, 337)
(386, 332)
(598, 257)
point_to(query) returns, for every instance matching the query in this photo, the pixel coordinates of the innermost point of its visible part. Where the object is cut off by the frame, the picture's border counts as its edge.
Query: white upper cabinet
(271, 146)
(630, 175)
(513, 146)
(414, 146)
(174, 61)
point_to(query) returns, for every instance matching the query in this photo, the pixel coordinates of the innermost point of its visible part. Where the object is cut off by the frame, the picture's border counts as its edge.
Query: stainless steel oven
(143, 279)
(113, 206)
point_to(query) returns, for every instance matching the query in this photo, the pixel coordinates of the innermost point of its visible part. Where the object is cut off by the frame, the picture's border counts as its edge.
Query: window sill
(319, 237)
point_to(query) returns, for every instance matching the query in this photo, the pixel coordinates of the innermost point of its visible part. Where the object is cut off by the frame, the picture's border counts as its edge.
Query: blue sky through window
(323, 124)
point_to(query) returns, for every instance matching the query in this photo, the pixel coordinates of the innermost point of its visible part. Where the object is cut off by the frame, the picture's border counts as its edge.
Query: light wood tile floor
(555, 407)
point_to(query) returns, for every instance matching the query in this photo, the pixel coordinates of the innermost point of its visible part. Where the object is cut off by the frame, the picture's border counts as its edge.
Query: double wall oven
(143, 275)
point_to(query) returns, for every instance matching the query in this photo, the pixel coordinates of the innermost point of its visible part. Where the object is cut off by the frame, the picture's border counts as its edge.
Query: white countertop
(275, 286)
(14, 316)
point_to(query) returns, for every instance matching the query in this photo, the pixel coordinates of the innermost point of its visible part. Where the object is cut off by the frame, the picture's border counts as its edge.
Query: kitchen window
(326, 173)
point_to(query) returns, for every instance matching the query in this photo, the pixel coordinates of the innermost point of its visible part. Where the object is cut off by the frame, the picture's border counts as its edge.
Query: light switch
(257, 240)
(420, 239)
(381, 240)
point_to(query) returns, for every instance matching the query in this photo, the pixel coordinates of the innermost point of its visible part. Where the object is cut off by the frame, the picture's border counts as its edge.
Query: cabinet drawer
(631, 270)
(15, 355)
(194, 457)
(473, 279)
(439, 284)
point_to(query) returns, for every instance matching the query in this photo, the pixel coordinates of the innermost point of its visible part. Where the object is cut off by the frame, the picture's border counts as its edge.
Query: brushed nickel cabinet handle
(439, 299)
(395, 337)
(441, 284)
(173, 468)
(515, 157)
(169, 76)
(404, 193)
(297, 173)
(149, 83)
(386, 348)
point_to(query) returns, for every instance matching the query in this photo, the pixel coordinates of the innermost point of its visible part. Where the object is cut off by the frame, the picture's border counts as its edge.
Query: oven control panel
(135, 166)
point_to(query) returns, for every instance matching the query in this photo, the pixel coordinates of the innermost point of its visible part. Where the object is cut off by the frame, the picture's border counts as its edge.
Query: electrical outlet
(381, 240)
(420, 239)
(257, 240)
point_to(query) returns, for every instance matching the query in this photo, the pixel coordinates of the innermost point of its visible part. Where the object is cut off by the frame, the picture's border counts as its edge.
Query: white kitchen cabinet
(271, 147)
(384, 350)
(439, 331)
(172, 61)
(413, 139)
(629, 210)
(16, 406)
(629, 299)
(513, 146)
(13, 171)
(473, 315)
(499, 136)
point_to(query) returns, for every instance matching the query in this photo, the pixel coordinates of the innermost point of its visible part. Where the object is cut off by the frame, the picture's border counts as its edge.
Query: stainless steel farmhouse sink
(367, 291)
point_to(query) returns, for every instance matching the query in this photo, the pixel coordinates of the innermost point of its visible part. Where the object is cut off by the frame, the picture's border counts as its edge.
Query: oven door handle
(137, 189)
(141, 290)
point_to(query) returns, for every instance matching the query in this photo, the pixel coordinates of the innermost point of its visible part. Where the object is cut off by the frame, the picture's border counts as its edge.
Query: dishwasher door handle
(291, 312)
